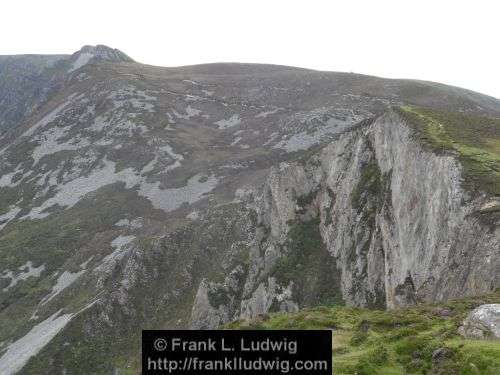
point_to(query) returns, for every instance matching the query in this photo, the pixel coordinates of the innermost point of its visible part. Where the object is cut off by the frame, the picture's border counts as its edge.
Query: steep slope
(28, 81)
(25, 81)
(395, 216)
(137, 197)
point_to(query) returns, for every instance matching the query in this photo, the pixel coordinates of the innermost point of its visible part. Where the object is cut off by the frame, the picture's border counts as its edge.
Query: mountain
(136, 197)
(27, 81)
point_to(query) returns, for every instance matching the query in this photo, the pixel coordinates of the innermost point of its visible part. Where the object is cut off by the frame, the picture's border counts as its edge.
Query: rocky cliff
(136, 197)
(394, 217)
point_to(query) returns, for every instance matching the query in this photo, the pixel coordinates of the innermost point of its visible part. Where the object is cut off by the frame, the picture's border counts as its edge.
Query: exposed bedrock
(373, 219)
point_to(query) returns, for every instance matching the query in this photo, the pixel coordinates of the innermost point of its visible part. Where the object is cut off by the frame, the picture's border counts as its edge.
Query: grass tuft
(396, 342)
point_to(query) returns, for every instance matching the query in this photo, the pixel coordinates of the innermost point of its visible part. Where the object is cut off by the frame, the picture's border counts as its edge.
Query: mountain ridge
(137, 197)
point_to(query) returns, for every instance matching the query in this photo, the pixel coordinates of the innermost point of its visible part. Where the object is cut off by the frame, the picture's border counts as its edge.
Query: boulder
(482, 323)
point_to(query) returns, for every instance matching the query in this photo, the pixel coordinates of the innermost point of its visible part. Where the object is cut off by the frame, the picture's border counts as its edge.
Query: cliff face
(393, 216)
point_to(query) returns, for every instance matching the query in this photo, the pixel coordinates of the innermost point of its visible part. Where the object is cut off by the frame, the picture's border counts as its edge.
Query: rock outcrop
(95, 54)
(482, 323)
(393, 216)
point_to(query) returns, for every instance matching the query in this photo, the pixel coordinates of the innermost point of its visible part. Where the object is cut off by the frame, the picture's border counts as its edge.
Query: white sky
(450, 41)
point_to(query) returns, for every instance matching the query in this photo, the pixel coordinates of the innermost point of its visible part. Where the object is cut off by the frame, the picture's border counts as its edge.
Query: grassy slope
(475, 139)
(395, 342)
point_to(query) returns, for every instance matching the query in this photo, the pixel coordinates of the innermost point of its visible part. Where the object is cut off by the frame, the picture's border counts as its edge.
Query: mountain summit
(97, 53)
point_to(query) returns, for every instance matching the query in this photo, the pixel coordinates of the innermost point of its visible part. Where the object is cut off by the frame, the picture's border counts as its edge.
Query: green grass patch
(396, 342)
(475, 140)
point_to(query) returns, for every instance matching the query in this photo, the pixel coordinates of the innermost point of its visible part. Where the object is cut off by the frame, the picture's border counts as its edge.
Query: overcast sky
(450, 41)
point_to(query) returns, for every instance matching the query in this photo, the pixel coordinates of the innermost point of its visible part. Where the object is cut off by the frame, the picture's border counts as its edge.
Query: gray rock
(482, 323)
(441, 354)
(442, 312)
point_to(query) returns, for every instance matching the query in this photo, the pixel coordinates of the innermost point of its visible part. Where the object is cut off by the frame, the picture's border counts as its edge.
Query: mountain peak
(97, 53)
